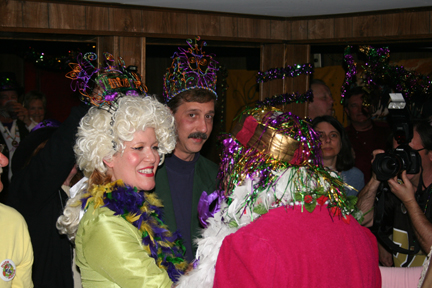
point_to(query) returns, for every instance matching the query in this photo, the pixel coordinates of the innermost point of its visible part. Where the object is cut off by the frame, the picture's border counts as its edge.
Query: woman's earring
(162, 159)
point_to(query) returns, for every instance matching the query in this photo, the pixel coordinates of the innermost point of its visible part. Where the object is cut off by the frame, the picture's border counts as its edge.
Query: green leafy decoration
(320, 191)
(233, 224)
(298, 196)
(310, 206)
(260, 209)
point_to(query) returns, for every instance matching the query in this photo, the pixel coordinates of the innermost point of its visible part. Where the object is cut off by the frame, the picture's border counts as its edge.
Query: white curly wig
(102, 134)
(98, 140)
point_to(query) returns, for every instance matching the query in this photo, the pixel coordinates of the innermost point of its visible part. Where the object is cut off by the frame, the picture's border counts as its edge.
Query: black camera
(388, 165)
(392, 163)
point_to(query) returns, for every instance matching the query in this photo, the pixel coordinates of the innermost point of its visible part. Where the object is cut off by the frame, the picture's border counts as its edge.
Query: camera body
(392, 163)
(388, 165)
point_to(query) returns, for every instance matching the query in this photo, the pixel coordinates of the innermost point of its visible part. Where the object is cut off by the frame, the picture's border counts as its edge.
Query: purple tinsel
(284, 99)
(111, 96)
(281, 73)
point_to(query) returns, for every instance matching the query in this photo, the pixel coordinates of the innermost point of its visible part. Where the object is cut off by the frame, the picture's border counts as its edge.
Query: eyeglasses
(333, 136)
(420, 149)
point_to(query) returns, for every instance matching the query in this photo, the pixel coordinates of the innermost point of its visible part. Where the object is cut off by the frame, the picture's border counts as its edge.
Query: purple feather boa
(126, 200)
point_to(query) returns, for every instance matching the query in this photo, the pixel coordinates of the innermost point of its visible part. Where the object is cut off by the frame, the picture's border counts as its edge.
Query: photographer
(407, 206)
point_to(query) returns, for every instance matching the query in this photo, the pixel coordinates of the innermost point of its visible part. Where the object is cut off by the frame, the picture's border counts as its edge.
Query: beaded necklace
(12, 135)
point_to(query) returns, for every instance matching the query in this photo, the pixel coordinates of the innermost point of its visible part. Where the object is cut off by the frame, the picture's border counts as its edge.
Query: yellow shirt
(16, 251)
(110, 254)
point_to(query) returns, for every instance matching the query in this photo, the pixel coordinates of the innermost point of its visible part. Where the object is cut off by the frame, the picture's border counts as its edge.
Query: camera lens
(389, 166)
(386, 166)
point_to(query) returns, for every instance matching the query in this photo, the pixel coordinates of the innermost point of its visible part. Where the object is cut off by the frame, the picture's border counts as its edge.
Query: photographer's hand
(422, 227)
(366, 197)
(404, 191)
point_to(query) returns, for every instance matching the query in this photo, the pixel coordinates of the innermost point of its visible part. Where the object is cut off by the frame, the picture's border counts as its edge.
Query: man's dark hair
(353, 91)
(424, 129)
(345, 158)
(193, 95)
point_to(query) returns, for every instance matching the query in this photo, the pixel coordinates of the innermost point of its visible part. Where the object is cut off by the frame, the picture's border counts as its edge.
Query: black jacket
(5, 175)
(36, 193)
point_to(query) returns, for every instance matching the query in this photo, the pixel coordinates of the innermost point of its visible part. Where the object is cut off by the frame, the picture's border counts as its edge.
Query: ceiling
(279, 8)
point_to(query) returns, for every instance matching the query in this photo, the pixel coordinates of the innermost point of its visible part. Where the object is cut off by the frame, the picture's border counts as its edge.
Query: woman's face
(137, 165)
(36, 110)
(330, 140)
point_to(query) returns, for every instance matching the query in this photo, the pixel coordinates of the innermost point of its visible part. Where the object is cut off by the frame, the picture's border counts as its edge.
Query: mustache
(366, 111)
(198, 135)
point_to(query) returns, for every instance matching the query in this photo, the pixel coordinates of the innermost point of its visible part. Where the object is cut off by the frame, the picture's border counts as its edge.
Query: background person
(43, 167)
(364, 134)
(35, 103)
(13, 121)
(336, 152)
(322, 103)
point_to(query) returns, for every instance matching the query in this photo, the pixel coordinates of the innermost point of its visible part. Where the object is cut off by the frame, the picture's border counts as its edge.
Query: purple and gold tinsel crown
(266, 140)
(191, 68)
(109, 80)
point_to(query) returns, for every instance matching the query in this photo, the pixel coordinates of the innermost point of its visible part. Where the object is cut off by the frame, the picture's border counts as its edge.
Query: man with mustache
(186, 174)
(365, 134)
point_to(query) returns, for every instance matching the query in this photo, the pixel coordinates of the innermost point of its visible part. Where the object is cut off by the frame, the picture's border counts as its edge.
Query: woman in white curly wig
(121, 240)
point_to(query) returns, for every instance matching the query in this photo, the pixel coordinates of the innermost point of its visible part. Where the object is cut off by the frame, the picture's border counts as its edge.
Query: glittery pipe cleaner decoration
(350, 73)
(100, 87)
(82, 72)
(377, 72)
(287, 98)
(281, 73)
(191, 68)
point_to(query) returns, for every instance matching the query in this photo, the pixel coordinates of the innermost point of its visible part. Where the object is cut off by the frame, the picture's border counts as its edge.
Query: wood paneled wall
(131, 49)
(281, 55)
(119, 20)
(284, 41)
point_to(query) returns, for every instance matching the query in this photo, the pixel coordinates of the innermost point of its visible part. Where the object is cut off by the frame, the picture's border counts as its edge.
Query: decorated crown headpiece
(190, 69)
(265, 140)
(109, 80)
